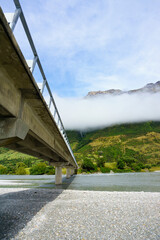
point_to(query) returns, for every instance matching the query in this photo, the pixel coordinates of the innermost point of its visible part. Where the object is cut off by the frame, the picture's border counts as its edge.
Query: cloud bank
(94, 113)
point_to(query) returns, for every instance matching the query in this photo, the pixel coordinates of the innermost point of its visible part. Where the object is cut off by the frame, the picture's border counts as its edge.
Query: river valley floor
(57, 214)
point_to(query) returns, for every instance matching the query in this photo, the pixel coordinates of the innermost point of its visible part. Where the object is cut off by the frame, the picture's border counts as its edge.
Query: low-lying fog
(98, 112)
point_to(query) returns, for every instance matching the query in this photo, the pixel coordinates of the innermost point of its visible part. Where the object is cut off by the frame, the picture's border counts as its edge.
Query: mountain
(126, 147)
(137, 146)
(149, 88)
(121, 148)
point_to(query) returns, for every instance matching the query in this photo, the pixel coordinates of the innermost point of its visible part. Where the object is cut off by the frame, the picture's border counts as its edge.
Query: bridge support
(72, 171)
(68, 172)
(58, 176)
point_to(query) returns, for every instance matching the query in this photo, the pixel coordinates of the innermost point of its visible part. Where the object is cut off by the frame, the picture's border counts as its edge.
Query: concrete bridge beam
(12, 130)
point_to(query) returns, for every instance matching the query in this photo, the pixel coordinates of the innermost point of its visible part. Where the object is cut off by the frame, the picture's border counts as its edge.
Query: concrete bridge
(26, 122)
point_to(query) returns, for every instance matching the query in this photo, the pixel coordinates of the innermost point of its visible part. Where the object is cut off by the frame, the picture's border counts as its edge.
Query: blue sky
(89, 45)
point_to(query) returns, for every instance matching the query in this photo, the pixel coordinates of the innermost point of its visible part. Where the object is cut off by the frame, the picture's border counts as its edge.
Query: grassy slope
(113, 142)
(10, 158)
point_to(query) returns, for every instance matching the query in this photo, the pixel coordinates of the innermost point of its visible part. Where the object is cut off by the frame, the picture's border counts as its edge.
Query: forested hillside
(121, 148)
(127, 147)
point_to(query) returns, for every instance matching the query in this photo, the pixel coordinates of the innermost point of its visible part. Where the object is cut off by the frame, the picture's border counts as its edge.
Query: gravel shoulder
(71, 214)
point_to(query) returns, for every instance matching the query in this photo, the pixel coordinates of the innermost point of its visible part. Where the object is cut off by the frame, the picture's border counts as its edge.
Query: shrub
(105, 170)
(120, 164)
(38, 169)
(21, 171)
(100, 162)
(128, 160)
(148, 166)
(141, 165)
(50, 170)
(20, 164)
(88, 165)
(11, 170)
(3, 169)
(136, 167)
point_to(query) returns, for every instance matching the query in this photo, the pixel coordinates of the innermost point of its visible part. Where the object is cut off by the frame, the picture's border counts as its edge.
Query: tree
(20, 168)
(21, 171)
(50, 170)
(100, 162)
(136, 167)
(120, 164)
(129, 160)
(105, 169)
(148, 166)
(20, 164)
(3, 169)
(38, 169)
(88, 165)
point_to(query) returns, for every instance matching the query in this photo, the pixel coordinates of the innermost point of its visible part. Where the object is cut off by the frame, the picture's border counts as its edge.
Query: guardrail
(12, 19)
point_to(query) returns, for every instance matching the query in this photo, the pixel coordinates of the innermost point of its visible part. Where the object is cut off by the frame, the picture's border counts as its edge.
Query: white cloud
(70, 25)
(92, 113)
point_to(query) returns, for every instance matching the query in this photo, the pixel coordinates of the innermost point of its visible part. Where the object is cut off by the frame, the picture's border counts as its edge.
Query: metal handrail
(19, 13)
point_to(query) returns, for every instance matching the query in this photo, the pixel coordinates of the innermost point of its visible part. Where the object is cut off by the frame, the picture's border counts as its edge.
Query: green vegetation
(3, 169)
(41, 168)
(12, 162)
(20, 169)
(121, 148)
(88, 166)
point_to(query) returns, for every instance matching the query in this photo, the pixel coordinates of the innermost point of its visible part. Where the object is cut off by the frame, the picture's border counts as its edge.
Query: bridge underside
(26, 123)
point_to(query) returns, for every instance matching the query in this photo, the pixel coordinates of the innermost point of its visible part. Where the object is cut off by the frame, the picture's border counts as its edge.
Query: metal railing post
(34, 63)
(50, 101)
(15, 18)
(43, 85)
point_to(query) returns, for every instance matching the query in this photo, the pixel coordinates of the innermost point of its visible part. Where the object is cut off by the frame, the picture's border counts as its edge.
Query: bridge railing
(12, 19)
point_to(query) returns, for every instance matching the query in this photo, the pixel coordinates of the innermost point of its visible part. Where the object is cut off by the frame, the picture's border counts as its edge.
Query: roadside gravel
(92, 215)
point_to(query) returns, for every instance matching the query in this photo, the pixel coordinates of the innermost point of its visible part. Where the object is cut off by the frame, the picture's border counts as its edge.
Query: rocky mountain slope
(149, 88)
